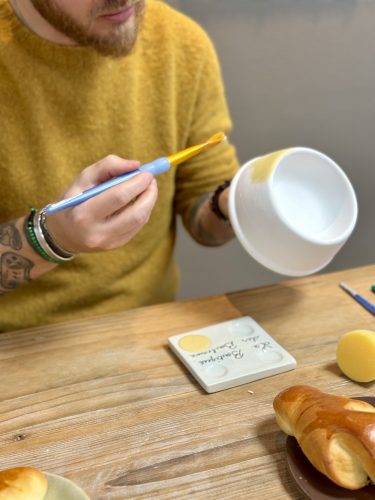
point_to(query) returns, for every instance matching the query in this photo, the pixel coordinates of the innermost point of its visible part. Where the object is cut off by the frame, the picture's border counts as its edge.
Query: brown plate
(314, 484)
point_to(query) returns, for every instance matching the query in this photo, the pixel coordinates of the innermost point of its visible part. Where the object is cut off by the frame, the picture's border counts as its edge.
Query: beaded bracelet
(32, 239)
(37, 241)
(214, 201)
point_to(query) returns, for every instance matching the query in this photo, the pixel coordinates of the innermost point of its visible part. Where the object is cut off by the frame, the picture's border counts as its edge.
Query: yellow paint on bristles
(185, 154)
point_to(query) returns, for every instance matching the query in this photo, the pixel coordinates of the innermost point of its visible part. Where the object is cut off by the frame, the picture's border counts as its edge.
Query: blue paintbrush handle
(156, 167)
(365, 303)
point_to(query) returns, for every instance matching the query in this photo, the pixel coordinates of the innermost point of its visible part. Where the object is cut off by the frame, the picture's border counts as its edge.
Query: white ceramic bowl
(292, 210)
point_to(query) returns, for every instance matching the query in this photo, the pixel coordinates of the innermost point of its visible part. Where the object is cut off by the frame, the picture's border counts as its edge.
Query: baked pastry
(22, 483)
(336, 433)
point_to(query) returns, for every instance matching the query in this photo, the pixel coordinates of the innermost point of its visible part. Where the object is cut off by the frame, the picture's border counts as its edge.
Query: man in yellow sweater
(110, 84)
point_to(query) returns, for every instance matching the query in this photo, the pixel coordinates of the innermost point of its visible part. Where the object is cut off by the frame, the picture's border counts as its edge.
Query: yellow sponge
(355, 355)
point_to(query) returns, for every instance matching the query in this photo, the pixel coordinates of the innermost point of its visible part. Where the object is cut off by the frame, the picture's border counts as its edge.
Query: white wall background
(297, 73)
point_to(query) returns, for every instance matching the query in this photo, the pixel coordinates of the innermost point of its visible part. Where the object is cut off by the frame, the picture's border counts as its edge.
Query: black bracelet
(214, 201)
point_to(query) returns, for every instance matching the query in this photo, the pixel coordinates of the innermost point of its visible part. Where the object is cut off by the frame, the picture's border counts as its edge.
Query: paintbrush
(364, 303)
(156, 167)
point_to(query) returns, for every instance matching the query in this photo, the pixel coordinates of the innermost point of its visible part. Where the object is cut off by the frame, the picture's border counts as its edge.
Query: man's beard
(119, 40)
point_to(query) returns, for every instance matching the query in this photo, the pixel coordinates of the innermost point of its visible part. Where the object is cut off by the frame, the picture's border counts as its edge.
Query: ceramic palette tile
(231, 353)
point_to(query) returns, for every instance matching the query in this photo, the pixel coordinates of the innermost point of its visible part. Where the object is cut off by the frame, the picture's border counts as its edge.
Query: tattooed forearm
(10, 236)
(204, 225)
(14, 270)
(19, 262)
(194, 221)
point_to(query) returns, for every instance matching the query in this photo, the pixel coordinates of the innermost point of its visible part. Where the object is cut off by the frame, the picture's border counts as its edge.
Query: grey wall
(297, 73)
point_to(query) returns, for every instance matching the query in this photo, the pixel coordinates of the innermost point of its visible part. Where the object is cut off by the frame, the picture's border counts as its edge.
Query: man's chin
(108, 37)
(117, 40)
(111, 48)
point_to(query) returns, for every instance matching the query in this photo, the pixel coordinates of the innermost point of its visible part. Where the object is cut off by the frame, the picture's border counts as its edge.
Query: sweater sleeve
(207, 170)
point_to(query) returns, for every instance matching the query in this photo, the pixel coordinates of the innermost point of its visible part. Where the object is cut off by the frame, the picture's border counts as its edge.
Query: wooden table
(105, 403)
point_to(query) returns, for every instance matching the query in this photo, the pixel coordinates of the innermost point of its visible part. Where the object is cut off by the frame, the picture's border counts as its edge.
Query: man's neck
(31, 18)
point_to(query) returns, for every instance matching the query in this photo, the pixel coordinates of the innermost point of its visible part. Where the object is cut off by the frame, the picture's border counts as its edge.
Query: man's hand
(205, 226)
(110, 219)
(223, 202)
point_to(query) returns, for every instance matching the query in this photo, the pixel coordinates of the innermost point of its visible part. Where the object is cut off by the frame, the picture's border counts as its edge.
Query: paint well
(194, 343)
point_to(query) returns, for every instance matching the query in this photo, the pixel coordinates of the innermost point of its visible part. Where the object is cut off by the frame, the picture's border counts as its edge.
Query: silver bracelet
(51, 242)
(46, 242)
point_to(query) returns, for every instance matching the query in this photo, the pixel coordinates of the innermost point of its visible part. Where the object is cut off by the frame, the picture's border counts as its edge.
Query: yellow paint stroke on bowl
(194, 343)
(263, 167)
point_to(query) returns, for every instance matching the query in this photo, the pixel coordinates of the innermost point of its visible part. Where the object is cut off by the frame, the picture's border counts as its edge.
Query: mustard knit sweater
(63, 108)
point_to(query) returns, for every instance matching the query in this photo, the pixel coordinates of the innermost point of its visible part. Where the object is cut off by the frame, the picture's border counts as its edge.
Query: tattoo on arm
(10, 236)
(193, 218)
(195, 222)
(14, 270)
(199, 211)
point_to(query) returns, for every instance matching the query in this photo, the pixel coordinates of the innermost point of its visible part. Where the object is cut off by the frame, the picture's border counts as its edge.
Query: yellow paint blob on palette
(194, 343)
(231, 353)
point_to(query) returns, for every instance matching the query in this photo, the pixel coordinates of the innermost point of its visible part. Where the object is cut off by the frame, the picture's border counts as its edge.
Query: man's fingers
(111, 218)
(112, 166)
(105, 169)
(132, 218)
(116, 198)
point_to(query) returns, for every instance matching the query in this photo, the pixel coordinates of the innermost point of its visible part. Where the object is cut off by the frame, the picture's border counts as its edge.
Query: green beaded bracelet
(32, 239)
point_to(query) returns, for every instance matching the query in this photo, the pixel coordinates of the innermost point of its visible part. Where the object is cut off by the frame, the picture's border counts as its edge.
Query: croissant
(23, 483)
(336, 433)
